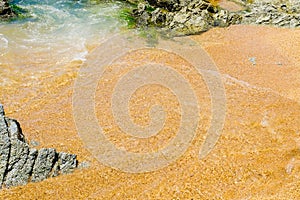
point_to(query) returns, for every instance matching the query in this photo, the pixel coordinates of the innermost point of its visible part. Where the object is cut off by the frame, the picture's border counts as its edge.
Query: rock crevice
(5, 9)
(187, 17)
(20, 164)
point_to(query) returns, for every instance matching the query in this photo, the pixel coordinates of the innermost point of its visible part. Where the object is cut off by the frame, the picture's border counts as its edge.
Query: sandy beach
(256, 157)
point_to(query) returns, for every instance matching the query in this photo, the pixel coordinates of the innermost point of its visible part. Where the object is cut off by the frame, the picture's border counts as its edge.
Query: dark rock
(273, 13)
(5, 9)
(2, 113)
(184, 17)
(158, 17)
(20, 164)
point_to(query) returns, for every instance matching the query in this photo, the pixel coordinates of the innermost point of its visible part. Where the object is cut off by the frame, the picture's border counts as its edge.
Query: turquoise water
(57, 32)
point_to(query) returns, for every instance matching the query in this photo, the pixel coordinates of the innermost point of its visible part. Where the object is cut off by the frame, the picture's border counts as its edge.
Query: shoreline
(256, 155)
(190, 17)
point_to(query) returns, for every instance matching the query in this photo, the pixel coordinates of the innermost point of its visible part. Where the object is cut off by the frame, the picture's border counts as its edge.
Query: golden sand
(256, 157)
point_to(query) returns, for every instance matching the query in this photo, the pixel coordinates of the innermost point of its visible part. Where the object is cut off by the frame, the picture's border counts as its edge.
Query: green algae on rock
(5, 10)
(183, 17)
(195, 16)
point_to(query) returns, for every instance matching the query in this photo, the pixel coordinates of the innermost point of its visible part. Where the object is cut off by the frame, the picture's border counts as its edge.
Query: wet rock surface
(183, 17)
(196, 16)
(20, 164)
(5, 9)
(276, 13)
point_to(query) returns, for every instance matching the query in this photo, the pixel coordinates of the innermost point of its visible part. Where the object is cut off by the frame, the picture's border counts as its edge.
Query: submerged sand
(256, 157)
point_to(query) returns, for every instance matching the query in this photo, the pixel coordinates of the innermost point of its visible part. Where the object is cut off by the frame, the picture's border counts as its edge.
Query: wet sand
(256, 157)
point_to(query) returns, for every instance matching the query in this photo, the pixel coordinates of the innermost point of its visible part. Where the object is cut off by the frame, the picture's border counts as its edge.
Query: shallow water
(57, 32)
(257, 153)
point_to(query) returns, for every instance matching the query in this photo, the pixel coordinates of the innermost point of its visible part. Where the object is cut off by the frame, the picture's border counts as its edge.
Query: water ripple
(57, 31)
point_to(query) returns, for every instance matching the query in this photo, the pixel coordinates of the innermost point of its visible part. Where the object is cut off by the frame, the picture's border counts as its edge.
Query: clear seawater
(57, 32)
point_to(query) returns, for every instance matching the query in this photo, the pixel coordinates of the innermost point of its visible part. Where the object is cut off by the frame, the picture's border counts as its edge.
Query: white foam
(3, 44)
(57, 34)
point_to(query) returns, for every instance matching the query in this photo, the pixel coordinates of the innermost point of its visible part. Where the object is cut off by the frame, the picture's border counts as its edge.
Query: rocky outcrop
(20, 164)
(184, 17)
(5, 9)
(275, 13)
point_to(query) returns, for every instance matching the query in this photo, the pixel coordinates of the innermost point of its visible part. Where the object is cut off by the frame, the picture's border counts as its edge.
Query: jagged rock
(20, 164)
(65, 164)
(14, 130)
(18, 156)
(2, 113)
(4, 145)
(275, 13)
(20, 173)
(5, 9)
(27, 168)
(43, 164)
(184, 17)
